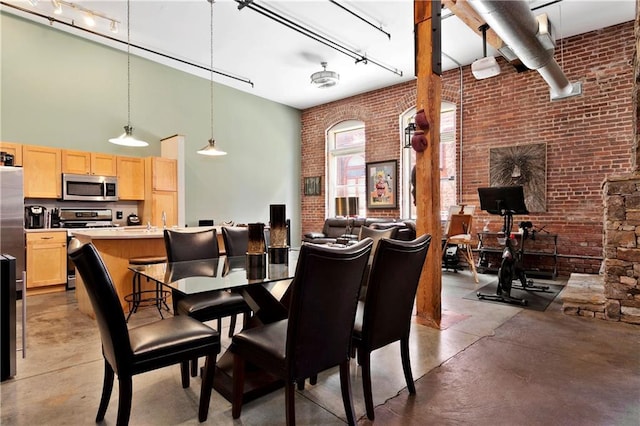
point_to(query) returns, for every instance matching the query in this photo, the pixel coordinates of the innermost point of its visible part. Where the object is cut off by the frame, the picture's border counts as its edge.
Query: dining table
(263, 285)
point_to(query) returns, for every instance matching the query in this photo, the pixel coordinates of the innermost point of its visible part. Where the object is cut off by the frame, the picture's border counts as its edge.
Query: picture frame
(382, 184)
(312, 185)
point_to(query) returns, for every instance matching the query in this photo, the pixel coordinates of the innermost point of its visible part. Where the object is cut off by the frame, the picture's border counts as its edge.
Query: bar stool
(157, 297)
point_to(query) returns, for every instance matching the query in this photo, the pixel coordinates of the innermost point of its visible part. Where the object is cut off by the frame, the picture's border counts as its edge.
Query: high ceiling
(278, 61)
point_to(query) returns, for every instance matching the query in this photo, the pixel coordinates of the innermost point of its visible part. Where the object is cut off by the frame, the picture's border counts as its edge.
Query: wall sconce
(408, 134)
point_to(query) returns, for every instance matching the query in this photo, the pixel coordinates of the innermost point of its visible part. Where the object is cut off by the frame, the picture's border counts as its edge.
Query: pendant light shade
(127, 139)
(210, 149)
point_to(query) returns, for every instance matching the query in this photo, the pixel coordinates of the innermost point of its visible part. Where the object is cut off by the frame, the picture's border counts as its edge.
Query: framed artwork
(522, 165)
(312, 185)
(382, 185)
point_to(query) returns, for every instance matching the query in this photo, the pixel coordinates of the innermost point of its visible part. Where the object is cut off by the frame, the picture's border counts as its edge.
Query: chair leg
(345, 386)
(472, 263)
(184, 374)
(364, 359)
(300, 383)
(194, 367)
(406, 364)
(238, 386)
(107, 387)
(232, 325)
(125, 387)
(205, 388)
(313, 380)
(290, 403)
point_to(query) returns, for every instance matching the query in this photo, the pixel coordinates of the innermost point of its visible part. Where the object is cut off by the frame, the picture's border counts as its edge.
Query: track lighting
(57, 7)
(89, 20)
(113, 27)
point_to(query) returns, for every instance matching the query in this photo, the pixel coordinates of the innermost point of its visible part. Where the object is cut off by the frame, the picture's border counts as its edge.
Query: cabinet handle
(46, 238)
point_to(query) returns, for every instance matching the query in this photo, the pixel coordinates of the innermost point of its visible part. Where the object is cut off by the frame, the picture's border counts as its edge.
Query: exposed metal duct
(528, 38)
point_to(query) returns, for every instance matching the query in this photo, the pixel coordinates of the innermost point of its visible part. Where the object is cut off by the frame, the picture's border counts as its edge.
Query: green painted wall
(60, 90)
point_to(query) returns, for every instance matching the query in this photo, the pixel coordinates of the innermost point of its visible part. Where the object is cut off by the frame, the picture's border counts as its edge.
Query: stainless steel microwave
(89, 188)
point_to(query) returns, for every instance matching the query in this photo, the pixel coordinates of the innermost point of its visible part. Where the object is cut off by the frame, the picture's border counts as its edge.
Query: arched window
(346, 164)
(447, 162)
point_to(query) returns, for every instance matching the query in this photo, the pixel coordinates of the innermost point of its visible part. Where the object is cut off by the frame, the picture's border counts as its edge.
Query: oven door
(71, 269)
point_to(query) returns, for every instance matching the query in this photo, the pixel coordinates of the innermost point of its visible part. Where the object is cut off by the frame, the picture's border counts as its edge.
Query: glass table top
(197, 276)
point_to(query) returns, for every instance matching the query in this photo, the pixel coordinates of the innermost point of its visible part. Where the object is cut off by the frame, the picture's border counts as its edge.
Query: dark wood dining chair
(317, 334)
(210, 305)
(236, 240)
(128, 352)
(384, 316)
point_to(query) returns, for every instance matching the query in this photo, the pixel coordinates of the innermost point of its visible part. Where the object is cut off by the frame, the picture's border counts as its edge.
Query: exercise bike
(508, 201)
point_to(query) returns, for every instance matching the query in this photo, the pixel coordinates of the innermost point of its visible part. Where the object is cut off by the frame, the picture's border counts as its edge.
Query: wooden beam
(428, 97)
(470, 17)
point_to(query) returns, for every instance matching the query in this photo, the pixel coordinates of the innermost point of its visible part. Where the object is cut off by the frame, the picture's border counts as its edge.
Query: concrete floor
(490, 364)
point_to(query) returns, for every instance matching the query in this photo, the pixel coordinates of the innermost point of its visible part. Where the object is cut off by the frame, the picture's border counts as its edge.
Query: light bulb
(89, 20)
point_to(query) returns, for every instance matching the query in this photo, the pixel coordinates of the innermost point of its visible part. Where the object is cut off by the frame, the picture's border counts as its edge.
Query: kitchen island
(116, 246)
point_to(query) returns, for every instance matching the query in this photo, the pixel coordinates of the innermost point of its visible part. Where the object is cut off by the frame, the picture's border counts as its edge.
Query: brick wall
(587, 138)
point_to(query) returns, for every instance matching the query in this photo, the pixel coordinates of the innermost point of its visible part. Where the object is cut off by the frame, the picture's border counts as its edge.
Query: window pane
(346, 164)
(349, 139)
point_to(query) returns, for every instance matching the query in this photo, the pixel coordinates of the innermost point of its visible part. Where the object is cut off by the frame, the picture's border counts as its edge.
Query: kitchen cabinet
(46, 261)
(161, 191)
(14, 149)
(130, 178)
(42, 171)
(164, 173)
(88, 163)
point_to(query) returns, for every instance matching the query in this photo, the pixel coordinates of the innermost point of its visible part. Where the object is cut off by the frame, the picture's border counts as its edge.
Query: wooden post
(428, 97)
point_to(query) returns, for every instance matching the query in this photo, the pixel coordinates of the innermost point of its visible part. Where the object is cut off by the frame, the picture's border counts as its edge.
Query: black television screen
(508, 198)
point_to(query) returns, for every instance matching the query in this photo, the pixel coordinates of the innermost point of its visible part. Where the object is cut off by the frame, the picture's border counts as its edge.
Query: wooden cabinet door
(103, 164)
(76, 162)
(130, 178)
(164, 174)
(46, 259)
(14, 149)
(164, 201)
(42, 172)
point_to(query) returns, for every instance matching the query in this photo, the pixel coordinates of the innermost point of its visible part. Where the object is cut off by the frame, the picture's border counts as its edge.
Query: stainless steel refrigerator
(12, 218)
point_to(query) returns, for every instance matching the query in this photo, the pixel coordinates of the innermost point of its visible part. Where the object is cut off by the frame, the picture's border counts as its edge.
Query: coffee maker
(35, 217)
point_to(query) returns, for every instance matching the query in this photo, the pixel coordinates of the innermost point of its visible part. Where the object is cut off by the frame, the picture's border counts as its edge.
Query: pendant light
(210, 149)
(127, 139)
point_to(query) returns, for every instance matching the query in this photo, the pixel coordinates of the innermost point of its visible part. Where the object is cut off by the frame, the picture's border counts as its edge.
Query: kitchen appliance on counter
(89, 188)
(133, 220)
(82, 218)
(35, 217)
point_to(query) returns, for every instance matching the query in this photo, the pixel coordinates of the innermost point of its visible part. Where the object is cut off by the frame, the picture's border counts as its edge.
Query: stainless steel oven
(89, 188)
(82, 218)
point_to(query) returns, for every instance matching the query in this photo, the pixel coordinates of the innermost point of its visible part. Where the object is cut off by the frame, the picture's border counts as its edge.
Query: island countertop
(132, 233)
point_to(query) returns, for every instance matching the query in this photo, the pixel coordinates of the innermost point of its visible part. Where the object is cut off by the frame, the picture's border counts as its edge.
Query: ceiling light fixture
(113, 27)
(324, 79)
(127, 138)
(210, 149)
(89, 20)
(487, 66)
(57, 7)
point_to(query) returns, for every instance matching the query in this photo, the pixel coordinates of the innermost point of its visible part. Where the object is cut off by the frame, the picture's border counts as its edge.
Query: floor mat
(536, 300)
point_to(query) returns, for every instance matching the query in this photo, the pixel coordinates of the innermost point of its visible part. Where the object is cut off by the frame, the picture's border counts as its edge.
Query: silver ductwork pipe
(517, 26)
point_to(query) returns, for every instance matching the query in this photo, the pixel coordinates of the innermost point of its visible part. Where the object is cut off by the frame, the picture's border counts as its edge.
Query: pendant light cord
(211, 67)
(128, 64)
